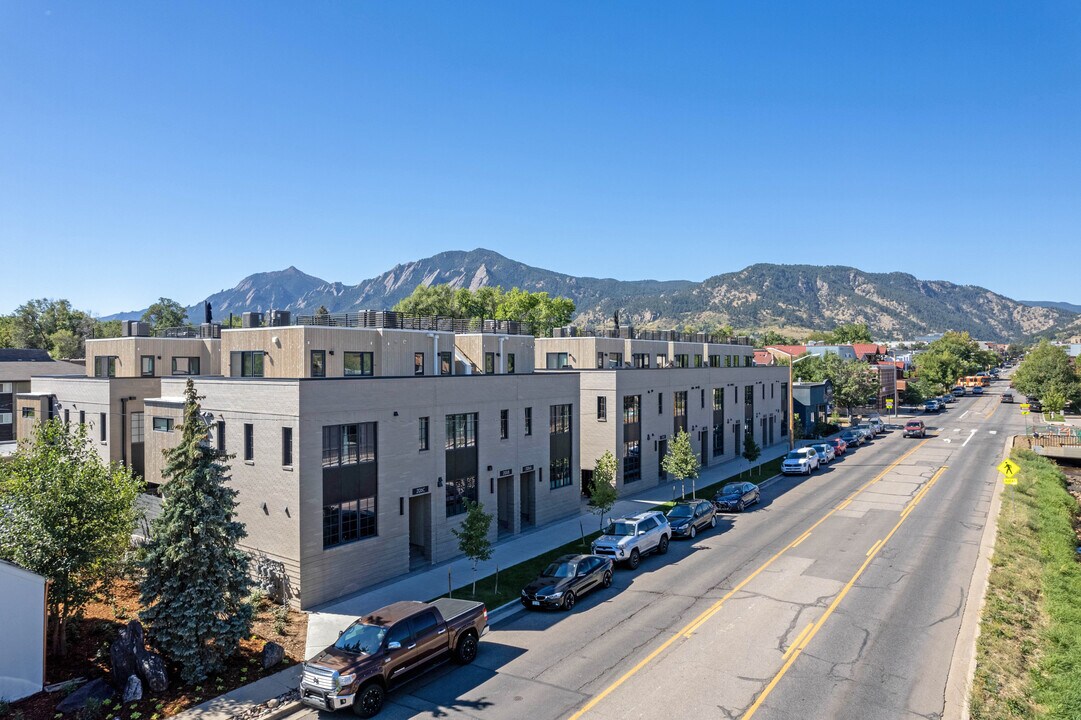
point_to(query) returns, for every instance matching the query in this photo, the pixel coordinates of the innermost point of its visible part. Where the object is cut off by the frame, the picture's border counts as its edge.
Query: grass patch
(1028, 657)
(511, 580)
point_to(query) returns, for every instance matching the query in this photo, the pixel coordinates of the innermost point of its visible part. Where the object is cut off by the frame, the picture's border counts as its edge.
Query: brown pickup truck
(388, 646)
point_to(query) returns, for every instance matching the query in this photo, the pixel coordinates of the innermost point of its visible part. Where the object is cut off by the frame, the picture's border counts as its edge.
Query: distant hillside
(795, 297)
(1064, 306)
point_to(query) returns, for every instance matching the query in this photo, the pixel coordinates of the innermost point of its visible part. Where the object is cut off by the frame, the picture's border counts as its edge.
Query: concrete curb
(283, 710)
(962, 671)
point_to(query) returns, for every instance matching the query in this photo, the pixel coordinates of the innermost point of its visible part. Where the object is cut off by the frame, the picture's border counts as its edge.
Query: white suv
(801, 461)
(628, 539)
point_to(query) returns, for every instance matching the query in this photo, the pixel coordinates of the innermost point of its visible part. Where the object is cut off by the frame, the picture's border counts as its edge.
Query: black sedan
(566, 579)
(737, 496)
(687, 518)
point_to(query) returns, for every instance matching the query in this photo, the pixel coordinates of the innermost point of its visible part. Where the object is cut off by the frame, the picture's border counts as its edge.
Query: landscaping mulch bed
(88, 657)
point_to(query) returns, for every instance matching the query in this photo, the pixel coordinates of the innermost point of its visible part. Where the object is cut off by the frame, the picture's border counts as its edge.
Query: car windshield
(820, 448)
(729, 490)
(681, 511)
(559, 570)
(620, 528)
(361, 638)
(795, 455)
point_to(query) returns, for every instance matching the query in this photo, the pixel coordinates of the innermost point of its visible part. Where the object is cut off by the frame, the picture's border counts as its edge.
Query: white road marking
(966, 412)
(971, 434)
(993, 432)
(957, 429)
(946, 440)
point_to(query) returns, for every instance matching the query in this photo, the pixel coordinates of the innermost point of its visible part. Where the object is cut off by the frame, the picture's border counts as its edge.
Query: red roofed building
(869, 352)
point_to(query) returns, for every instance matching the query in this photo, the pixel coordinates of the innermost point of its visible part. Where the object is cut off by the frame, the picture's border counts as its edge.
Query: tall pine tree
(196, 576)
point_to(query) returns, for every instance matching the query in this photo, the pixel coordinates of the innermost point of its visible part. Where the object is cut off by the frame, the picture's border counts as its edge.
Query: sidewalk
(263, 695)
(328, 620)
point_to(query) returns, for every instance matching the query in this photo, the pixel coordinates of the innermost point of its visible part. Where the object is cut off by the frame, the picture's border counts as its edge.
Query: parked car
(825, 451)
(801, 461)
(567, 579)
(840, 447)
(977, 390)
(931, 406)
(853, 438)
(376, 651)
(958, 391)
(687, 518)
(867, 430)
(947, 398)
(915, 428)
(1034, 405)
(875, 421)
(737, 496)
(628, 539)
(1007, 397)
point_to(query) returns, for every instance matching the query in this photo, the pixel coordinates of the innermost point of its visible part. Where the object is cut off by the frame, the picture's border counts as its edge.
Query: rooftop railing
(391, 320)
(632, 333)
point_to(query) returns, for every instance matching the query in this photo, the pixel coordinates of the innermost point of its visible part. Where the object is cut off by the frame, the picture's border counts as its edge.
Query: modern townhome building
(17, 367)
(353, 470)
(674, 381)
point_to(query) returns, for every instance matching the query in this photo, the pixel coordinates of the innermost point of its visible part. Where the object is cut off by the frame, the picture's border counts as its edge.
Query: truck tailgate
(451, 608)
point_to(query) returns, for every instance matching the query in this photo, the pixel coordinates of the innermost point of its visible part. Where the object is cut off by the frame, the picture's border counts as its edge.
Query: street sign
(1009, 468)
(1009, 481)
(1025, 406)
(889, 403)
(1024, 412)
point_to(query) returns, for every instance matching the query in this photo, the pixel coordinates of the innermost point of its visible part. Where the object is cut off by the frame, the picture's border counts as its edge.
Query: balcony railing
(391, 320)
(632, 333)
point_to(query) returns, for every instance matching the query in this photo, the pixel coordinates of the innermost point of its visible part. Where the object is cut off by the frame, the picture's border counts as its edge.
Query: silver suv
(628, 539)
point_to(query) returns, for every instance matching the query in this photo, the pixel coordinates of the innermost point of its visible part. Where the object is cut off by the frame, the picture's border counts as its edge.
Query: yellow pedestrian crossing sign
(889, 403)
(1024, 408)
(1010, 469)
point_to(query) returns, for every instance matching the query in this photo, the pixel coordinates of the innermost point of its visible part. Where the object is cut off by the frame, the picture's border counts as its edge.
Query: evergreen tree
(196, 576)
(473, 536)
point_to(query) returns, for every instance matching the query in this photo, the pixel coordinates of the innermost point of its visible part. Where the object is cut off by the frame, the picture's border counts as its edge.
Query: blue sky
(151, 149)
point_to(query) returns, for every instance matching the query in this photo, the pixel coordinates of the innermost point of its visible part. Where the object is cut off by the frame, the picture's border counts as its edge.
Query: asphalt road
(839, 596)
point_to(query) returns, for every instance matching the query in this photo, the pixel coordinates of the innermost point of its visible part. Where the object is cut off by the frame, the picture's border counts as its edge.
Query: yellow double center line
(713, 609)
(805, 637)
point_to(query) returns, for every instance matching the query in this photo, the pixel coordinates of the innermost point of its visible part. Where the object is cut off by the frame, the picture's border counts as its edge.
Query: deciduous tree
(1046, 369)
(681, 461)
(473, 536)
(602, 492)
(165, 313)
(67, 515)
(197, 581)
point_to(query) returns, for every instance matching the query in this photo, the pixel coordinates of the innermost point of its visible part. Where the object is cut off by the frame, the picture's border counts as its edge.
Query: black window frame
(143, 364)
(504, 424)
(105, 366)
(602, 408)
(162, 424)
(418, 363)
(248, 365)
(527, 420)
(424, 433)
(365, 362)
(489, 363)
(287, 446)
(193, 366)
(249, 442)
(317, 368)
(510, 363)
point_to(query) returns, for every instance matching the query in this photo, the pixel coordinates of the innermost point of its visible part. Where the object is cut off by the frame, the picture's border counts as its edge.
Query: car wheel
(369, 700)
(692, 532)
(634, 560)
(740, 506)
(713, 521)
(662, 548)
(758, 497)
(466, 650)
(606, 581)
(568, 600)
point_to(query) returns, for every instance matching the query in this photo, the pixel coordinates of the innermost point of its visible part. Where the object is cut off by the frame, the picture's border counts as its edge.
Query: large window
(681, 360)
(679, 411)
(632, 461)
(616, 360)
(459, 490)
(662, 361)
(423, 434)
(602, 408)
(640, 360)
(102, 433)
(527, 421)
(715, 361)
(559, 419)
(718, 422)
(504, 424)
(461, 431)
(489, 363)
(348, 444)
(105, 366)
(249, 442)
(510, 363)
(319, 363)
(190, 366)
(248, 363)
(445, 363)
(698, 360)
(146, 366)
(560, 473)
(632, 408)
(163, 424)
(347, 521)
(556, 361)
(358, 363)
(138, 427)
(418, 363)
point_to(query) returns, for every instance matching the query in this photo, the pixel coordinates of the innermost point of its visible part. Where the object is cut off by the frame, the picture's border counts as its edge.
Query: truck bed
(452, 608)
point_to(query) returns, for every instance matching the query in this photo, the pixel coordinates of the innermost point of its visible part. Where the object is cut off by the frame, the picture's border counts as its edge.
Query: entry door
(737, 440)
(763, 431)
(662, 450)
(704, 435)
(506, 505)
(420, 524)
(527, 510)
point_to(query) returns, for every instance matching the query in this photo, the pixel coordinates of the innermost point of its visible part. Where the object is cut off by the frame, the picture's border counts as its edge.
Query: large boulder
(95, 690)
(133, 690)
(123, 653)
(151, 668)
(272, 655)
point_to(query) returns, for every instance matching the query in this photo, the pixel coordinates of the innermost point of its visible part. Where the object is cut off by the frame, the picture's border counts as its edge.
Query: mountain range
(794, 299)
